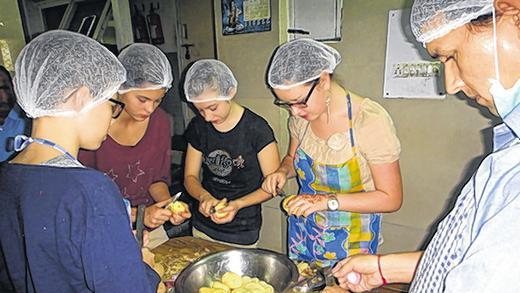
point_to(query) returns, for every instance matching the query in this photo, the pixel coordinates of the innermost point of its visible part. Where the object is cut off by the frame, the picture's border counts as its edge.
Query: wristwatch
(332, 203)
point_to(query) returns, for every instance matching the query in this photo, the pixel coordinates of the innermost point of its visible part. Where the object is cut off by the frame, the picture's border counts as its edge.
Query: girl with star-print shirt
(140, 167)
(137, 151)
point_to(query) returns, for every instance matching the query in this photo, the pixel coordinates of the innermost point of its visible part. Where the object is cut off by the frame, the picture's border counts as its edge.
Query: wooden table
(186, 249)
(180, 246)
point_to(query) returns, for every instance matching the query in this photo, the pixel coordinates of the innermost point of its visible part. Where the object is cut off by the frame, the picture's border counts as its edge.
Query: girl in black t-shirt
(235, 148)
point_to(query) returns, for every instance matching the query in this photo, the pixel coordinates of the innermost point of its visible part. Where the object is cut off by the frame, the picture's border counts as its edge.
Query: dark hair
(6, 72)
(12, 99)
(482, 22)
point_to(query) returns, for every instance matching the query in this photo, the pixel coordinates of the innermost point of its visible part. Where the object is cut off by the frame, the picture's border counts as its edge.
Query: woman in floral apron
(343, 151)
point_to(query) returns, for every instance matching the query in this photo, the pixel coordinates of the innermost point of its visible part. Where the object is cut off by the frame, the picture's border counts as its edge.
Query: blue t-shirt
(66, 230)
(15, 123)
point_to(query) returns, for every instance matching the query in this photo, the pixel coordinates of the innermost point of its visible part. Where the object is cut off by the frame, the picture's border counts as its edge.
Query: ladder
(114, 25)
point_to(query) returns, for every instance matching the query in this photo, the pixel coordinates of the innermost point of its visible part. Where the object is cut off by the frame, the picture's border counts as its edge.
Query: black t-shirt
(230, 169)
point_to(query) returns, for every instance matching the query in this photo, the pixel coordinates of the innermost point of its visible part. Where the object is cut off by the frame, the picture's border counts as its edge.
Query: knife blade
(139, 224)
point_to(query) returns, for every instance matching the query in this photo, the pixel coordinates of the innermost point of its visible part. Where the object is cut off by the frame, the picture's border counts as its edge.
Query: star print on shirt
(134, 171)
(112, 175)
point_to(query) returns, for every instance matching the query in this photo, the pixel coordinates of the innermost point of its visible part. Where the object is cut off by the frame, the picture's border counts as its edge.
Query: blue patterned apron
(326, 237)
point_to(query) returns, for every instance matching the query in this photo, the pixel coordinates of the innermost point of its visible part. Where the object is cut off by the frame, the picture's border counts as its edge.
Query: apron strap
(351, 124)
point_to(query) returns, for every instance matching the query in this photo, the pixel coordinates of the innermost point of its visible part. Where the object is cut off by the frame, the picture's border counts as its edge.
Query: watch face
(333, 204)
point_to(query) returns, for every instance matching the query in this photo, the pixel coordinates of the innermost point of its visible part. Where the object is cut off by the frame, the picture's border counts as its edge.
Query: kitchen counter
(177, 253)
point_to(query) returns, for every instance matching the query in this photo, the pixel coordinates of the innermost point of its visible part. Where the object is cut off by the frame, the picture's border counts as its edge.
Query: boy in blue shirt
(64, 227)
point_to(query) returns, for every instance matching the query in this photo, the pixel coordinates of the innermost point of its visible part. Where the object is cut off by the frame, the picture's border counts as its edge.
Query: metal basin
(271, 267)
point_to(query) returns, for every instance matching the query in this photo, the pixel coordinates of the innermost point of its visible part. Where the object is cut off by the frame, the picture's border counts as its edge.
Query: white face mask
(505, 100)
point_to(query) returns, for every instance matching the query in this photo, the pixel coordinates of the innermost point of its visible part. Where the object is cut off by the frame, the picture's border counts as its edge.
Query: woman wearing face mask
(475, 248)
(137, 152)
(235, 148)
(343, 152)
(64, 227)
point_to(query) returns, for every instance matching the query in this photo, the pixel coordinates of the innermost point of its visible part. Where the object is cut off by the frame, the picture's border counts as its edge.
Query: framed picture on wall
(245, 16)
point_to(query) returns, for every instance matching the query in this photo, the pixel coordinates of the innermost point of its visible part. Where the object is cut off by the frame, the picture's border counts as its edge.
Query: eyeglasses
(117, 108)
(299, 104)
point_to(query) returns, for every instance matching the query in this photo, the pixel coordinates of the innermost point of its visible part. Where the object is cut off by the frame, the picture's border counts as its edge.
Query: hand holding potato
(180, 212)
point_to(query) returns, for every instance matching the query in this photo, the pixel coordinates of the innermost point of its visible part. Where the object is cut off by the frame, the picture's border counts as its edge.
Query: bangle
(381, 271)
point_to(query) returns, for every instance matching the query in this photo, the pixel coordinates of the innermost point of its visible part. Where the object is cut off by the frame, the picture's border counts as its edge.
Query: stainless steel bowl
(271, 267)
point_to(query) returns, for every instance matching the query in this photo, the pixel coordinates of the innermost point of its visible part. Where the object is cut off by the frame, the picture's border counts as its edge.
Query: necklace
(337, 141)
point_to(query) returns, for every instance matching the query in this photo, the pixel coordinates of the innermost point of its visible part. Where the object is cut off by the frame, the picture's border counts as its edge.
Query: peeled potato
(211, 290)
(222, 204)
(161, 288)
(255, 287)
(287, 200)
(234, 283)
(245, 280)
(177, 207)
(159, 269)
(232, 280)
(220, 285)
(267, 288)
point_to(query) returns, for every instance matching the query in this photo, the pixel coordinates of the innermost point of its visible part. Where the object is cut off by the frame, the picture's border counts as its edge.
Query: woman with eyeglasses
(235, 148)
(137, 152)
(64, 227)
(343, 151)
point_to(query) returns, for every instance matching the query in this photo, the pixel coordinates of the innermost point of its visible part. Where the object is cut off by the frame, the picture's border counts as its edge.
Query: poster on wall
(245, 16)
(409, 72)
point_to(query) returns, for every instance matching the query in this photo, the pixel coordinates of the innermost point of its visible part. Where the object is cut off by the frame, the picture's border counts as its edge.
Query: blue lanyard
(21, 142)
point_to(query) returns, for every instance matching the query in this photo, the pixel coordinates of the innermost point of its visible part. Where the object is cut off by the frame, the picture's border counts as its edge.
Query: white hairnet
(147, 68)
(209, 74)
(432, 19)
(55, 64)
(300, 61)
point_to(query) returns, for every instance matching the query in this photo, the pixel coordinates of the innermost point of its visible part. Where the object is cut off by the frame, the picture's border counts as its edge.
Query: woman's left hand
(230, 210)
(306, 204)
